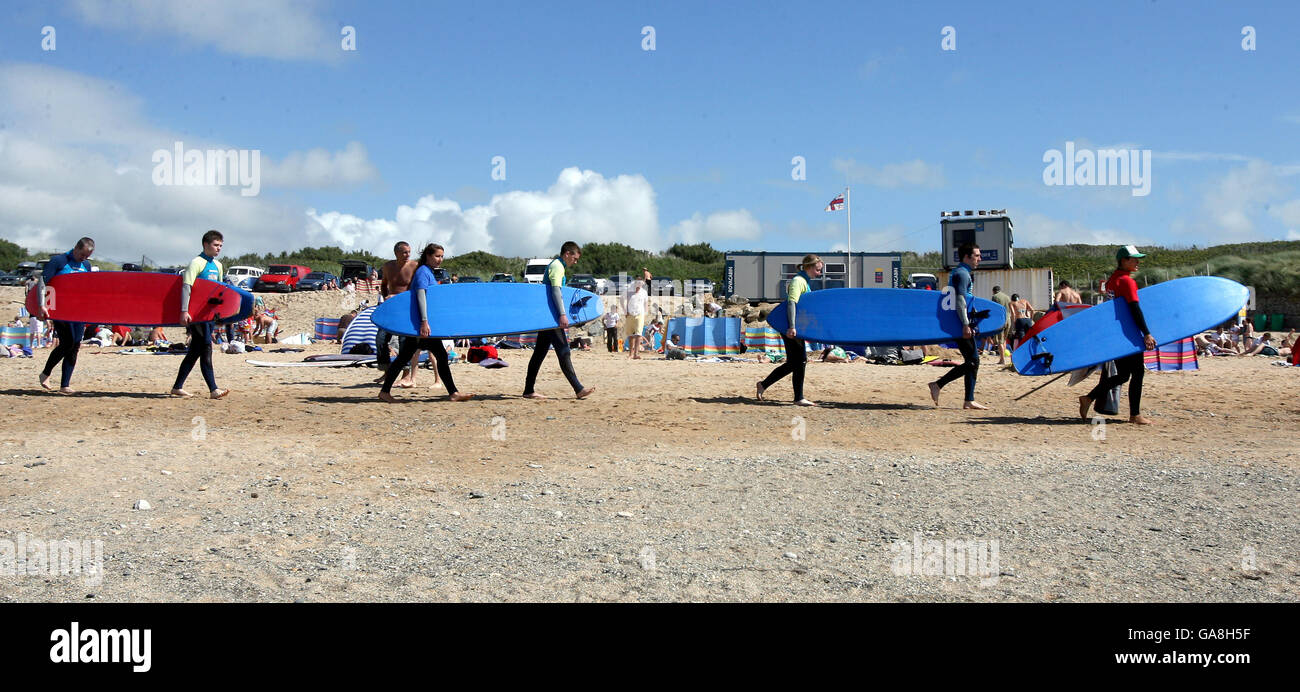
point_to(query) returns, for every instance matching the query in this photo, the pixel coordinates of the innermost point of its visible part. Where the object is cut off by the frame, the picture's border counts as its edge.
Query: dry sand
(671, 483)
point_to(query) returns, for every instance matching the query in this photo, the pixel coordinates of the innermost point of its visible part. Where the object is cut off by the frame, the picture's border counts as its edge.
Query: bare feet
(535, 395)
(758, 390)
(181, 394)
(586, 392)
(67, 390)
(219, 393)
(975, 405)
(387, 397)
(1084, 404)
(436, 385)
(934, 393)
(805, 402)
(461, 396)
(405, 384)
(1140, 420)
(45, 381)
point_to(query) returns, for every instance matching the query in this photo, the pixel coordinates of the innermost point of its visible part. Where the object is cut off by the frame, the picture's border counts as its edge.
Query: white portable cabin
(764, 276)
(991, 230)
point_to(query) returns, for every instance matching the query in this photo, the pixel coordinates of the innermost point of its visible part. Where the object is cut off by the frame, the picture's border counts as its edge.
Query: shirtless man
(1065, 294)
(397, 279)
(1022, 316)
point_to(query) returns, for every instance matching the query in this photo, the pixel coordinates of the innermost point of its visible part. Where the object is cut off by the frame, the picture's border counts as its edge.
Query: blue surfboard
(462, 311)
(245, 306)
(884, 316)
(1173, 310)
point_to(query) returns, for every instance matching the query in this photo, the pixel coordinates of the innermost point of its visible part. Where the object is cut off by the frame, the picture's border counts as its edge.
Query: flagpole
(848, 268)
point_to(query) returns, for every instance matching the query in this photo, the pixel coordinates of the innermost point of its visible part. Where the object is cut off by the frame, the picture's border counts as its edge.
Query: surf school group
(1120, 334)
(194, 310)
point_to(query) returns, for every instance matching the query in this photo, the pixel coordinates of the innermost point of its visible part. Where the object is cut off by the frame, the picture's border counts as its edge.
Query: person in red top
(1132, 367)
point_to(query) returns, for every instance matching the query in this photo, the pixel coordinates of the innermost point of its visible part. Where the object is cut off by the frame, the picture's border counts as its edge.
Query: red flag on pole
(836, 204)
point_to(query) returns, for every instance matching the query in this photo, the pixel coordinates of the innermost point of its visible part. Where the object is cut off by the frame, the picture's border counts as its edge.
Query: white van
(535, 270)
(244, 277)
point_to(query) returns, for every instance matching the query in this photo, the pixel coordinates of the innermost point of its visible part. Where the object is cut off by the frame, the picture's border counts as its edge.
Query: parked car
(586, 282)
(244, 277)
(129, 267)
(170, 270)
(283, 278)
(354, 269)
(662, 286)
(9, 279)
(693, 286)
(470, 280)
(317, 281)
(617, 285)
(441, 275)
(503, 278)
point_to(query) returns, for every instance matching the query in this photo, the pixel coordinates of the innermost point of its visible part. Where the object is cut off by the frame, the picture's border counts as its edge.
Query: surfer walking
(554, 280)
(205, 266)
(70, 333)
(963, 288)
(1133, 367)
(796, 357)
(420, 284)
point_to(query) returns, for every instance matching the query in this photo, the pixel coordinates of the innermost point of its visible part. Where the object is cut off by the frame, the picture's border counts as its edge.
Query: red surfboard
(136, 299)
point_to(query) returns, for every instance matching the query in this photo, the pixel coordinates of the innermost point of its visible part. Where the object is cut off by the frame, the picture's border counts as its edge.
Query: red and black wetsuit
(1121, 285)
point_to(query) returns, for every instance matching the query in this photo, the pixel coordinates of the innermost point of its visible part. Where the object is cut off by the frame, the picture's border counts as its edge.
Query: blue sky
(603, 140)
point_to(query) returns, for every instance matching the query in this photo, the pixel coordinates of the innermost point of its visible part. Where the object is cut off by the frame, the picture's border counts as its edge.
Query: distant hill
(1271, 267)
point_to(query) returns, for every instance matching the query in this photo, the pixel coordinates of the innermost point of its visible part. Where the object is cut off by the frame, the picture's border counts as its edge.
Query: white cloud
(320, 168)
(76, 159)
(1239, 196)
(581, 205)
(281, 29)
(724, 225)
(1037, 230)
(891, 175)
(1198, 156)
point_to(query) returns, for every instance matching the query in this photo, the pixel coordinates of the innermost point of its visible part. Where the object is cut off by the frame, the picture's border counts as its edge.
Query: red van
(282, 278)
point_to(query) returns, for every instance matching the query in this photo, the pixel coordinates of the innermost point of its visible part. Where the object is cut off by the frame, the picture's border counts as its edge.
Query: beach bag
(1109, 404)
(480, 353)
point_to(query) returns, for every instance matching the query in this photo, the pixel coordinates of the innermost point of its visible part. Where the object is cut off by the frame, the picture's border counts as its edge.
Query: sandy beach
(671, 483)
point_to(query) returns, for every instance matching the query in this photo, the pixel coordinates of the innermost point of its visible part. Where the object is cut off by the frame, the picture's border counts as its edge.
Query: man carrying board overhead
(963, 293)
(205, 266)
(554, 280)
(1121, 285)
(70, 333)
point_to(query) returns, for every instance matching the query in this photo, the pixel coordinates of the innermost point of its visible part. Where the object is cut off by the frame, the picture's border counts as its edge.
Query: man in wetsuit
(963, 288)
(70, 333)
(205, 266)
(1131, 367)
(554, 280)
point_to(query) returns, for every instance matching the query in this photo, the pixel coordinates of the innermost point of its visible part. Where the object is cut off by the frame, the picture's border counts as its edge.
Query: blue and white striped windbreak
(360, 330)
